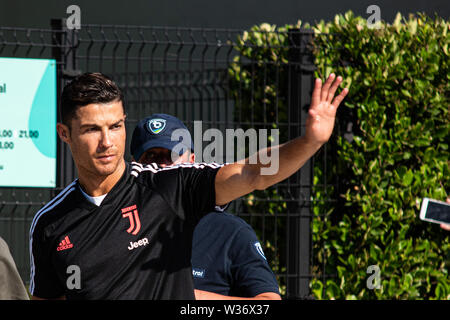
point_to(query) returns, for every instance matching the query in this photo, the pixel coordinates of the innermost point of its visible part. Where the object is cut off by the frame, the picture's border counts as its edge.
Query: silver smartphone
(435, 211)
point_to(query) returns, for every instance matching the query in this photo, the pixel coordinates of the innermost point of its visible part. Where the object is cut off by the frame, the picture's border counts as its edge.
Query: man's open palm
(322, 112)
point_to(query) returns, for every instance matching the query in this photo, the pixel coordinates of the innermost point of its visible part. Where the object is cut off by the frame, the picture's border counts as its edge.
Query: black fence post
(300, 88)
(64, 43)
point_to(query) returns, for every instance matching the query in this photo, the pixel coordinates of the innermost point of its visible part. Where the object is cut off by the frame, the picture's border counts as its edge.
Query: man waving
(124, 230)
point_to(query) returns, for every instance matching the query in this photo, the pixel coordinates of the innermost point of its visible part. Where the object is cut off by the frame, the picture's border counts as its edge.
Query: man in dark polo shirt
(228, 261)
(124, 230)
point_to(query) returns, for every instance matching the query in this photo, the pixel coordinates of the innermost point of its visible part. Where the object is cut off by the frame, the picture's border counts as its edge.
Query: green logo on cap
(156, 125)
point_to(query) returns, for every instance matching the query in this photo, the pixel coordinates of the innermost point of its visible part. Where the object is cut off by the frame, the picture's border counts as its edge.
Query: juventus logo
(132, 214)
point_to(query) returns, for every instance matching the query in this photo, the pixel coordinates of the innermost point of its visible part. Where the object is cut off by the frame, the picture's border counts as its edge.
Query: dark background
(236, 14)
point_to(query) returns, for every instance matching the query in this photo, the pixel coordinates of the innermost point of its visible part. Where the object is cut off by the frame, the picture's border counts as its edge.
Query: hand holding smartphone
(436, 211)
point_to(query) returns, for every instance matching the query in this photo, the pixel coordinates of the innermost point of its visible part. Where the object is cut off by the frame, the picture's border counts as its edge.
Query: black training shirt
(135, 245)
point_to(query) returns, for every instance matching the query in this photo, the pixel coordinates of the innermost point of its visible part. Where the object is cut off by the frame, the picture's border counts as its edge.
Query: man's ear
(192, 158)
(63, 132)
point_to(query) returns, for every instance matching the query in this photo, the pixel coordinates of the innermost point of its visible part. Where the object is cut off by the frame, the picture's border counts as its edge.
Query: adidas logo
(65, 244)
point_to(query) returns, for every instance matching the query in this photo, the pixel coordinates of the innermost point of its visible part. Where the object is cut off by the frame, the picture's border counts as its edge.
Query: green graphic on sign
(27, 122)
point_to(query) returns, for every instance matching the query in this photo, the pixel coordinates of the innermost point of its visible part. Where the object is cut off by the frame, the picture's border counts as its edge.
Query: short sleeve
(188, 188)
(251, 272)
(43, 280)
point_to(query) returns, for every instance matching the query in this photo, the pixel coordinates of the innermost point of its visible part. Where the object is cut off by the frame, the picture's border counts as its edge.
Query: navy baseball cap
(157, 131)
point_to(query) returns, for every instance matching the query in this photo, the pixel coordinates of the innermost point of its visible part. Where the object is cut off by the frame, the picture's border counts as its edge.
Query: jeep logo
(139, 243)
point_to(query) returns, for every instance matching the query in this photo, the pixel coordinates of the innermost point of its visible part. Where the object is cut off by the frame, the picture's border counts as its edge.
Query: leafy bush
(397, 153)
(398, 102)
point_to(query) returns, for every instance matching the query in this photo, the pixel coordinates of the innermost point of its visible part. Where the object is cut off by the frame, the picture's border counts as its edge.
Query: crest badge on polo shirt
(133, 216)
(156, 125)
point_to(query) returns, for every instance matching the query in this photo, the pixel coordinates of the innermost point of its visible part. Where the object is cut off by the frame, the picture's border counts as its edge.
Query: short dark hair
(86, 89)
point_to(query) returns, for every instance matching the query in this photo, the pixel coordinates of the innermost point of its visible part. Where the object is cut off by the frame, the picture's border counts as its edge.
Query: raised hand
(322, 111)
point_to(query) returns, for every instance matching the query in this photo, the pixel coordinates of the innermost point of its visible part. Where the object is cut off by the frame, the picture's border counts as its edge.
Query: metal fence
(190, 73)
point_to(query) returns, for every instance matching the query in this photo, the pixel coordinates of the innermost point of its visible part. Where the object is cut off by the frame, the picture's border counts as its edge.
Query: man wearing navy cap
(161, 139)
(227, 259)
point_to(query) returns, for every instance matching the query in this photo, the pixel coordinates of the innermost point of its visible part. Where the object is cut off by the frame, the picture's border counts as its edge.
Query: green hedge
(398, 105)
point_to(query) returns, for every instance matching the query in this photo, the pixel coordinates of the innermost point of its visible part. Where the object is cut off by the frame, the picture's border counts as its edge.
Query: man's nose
(105, 141)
